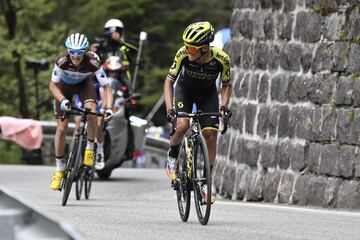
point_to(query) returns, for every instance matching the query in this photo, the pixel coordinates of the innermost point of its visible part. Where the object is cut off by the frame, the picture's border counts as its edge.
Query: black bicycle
(74, 169)
(193, 172)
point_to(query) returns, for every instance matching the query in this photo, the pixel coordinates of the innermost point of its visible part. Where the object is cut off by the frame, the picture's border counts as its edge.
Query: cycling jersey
(64, 70)
(78, 80)
(196, 75)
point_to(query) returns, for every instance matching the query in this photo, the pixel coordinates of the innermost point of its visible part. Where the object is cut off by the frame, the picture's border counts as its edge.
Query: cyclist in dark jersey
(195, 69)
(73, 73)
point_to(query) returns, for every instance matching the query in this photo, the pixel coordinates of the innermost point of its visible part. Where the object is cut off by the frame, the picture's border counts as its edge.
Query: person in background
(114, 50)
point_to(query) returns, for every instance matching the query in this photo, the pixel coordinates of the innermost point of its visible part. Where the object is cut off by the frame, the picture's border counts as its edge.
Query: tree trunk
(10, 17)
(23, 107)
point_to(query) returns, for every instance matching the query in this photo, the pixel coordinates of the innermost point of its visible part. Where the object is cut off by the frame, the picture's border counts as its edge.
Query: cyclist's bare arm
(108, 95)
(169, 92)
(55, 91)
(225, 94)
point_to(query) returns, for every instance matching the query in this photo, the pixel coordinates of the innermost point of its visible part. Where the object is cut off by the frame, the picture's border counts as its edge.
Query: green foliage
(324, 11)
(42, 26)
(337, 143)
(10, 153)
(357, 40)
(333, 103)
(354, 76)
(351, 115)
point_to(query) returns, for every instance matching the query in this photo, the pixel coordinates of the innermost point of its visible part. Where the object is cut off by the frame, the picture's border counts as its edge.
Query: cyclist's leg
(87, 95)
(209, 125)
(100, 134)
(100, 108)
(209, 102)
(59, 141)
(182, 103)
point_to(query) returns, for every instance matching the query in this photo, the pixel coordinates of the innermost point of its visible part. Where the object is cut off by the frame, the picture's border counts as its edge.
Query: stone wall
(295, 130)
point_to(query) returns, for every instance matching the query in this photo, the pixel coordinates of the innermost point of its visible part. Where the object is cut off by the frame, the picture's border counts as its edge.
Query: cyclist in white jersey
(73, 74)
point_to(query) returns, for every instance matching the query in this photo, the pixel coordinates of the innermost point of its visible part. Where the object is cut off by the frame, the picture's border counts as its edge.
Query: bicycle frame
(196, 152)
(73, 164)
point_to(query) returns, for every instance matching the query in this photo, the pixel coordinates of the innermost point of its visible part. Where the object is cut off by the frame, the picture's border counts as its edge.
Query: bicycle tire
(201, 175)
(183, 192)
(79, 184)
(89, 176)
(72, 168)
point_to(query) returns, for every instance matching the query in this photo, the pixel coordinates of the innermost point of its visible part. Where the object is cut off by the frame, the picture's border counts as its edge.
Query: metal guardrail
(155, 147)
(18, 221)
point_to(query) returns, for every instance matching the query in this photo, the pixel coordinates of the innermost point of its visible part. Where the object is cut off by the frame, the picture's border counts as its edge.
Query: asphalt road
(139, 204)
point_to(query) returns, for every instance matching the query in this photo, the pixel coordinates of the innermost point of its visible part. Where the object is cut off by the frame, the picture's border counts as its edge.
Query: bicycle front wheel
(89, 176)
(72, 168)
(79, 184)
(202, 177)
(183, 192)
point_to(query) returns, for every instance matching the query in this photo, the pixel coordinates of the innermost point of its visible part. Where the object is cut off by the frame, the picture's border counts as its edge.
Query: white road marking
(292, 207)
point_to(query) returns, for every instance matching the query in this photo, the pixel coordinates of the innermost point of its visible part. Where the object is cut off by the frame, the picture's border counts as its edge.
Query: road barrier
(155, 148)
(18, 221)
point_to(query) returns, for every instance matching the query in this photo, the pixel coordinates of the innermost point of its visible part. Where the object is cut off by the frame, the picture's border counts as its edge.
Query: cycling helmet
(198, 34)
(77, 41)
(113, 25)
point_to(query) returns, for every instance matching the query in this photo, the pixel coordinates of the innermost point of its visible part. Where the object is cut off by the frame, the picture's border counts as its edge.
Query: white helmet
(77, 41)
(113, 25)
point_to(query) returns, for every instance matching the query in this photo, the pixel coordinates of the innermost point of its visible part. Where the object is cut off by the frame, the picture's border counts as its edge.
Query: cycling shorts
(206, 100)
(79, 103)
(84, 89)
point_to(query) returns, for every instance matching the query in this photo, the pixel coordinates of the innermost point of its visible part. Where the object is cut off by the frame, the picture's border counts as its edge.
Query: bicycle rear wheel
(201, 171)
(183, 192)
(72, 168)
(89, 176)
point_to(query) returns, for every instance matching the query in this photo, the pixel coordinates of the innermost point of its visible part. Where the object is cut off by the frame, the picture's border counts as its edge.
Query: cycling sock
(59, 163)
(174, 151)
(90, 144)
(99, 147)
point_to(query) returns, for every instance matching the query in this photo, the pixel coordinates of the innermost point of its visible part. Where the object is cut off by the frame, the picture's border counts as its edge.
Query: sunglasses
(77, 52)
(192, 49)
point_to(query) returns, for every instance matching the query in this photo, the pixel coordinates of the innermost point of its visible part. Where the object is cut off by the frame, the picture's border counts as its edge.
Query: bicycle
(194, 167)
(74, 170)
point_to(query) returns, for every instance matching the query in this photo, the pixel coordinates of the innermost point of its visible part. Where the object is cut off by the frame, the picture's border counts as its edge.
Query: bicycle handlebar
(86, 111)
(196, 115)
